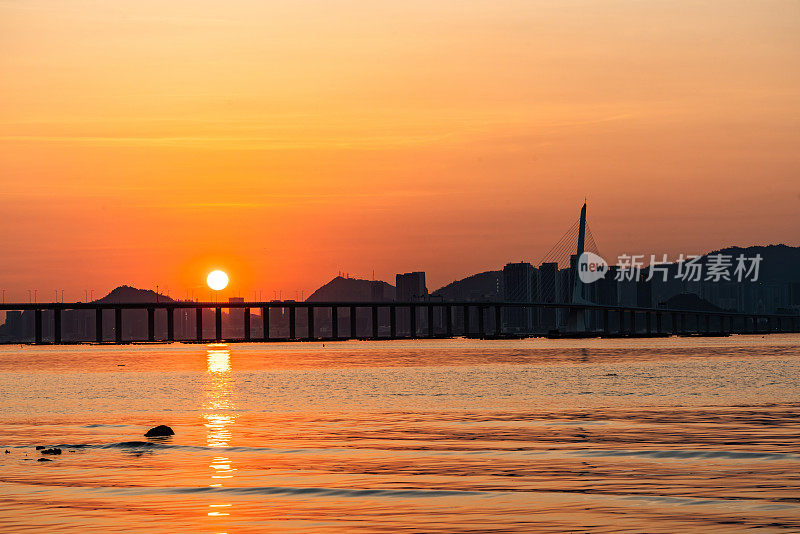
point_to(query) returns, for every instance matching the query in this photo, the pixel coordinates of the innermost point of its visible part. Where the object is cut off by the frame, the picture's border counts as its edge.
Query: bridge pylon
(576, 320)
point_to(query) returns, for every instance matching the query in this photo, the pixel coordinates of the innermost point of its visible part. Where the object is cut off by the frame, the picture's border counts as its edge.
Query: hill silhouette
(780, 263)
(126, 293)
(353, 289)
(482, 286)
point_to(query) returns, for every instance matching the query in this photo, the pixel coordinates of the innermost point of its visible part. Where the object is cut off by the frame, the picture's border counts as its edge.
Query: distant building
(519, 283)
(234, 326)
(549, 290)
(411, 287)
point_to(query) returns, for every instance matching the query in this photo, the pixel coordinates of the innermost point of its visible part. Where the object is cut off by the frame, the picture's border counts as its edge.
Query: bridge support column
(292, 322)
(498, 320)
(466, 320)
(265, 323)
(633, 322)
(335, 322)
(606, 324)
(649, 322)
(118, 325)
(674, 321)
(448, 320)
(247, 324)
(98, 324)
(412, 314)
(431, 331)
(481, 329)
(170, 324)
(57, 326)
(218, 324)
(374, 322)
(310, 320)
(392, 322)
(353, 322)
(198, 323)
(37, 326)
(659, 322)
(151, 324)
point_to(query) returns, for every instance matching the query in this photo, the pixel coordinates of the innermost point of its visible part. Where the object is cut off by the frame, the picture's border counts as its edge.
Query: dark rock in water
(8, 452)
(54, 450)
(40, 447)
(158, 431)
(44, 460)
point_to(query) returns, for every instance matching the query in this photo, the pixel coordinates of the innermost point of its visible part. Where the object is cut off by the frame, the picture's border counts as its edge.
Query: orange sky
(147, 142)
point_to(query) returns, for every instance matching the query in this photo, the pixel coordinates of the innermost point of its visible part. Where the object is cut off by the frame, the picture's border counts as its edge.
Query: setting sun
(217, 280)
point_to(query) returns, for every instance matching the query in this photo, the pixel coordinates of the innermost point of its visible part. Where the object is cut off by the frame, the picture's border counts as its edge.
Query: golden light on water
(218, 419)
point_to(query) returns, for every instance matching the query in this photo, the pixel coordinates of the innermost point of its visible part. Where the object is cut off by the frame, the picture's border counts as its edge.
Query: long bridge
(475, 319)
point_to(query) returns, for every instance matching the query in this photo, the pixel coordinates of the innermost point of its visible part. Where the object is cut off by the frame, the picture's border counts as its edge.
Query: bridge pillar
(392, 322)
(448, 320)
(198, 324)
(170, 323)
(37, 326)
(374, 322)
(292, 322)
(431, 331)
(466, 320)
(353, 322)
(310, 320)
(57, 325)
(633, 322)
(659, 322)
(674, 321)
(649, 322)
(151, 324)
(98, 324)
(247, 324)
(265, 323)
(606, 324)
(708, 322)
(498, 320)
(412, 313)
(218, 324)
(118, 325)
(481, 330)
(755, 324)
(335, 322)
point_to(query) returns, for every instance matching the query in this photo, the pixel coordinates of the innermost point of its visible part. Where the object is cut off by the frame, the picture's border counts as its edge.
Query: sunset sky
(148, 142)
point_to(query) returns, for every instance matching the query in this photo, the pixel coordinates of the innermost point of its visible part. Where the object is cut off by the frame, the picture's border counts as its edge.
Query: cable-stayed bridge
(559, 294)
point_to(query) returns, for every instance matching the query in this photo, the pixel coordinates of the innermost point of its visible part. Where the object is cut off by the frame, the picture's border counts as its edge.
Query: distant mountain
(780, 263)
(134, 295)
(486, 286)
(354, 290)
(690, 302)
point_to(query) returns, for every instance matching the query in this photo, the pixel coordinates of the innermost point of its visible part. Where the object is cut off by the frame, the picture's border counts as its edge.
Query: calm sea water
(667, 435)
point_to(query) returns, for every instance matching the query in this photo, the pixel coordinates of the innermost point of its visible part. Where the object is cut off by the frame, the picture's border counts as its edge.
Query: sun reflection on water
(219, 420)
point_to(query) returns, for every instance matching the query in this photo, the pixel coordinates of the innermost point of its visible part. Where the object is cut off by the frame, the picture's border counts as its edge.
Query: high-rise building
(549, 289)
(519, 283)
(410, 288)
